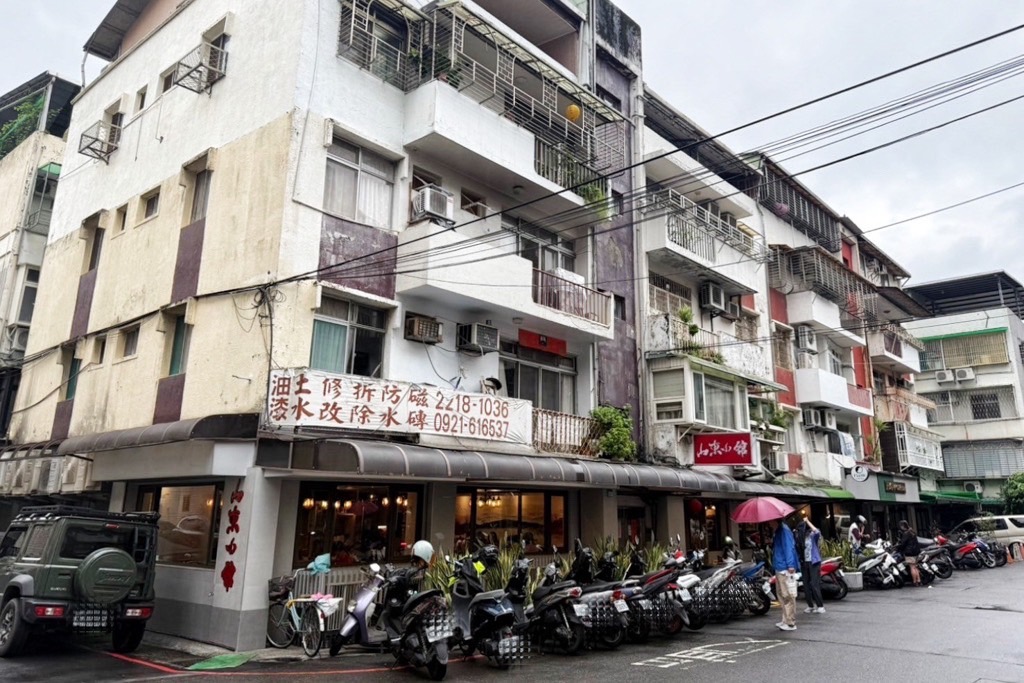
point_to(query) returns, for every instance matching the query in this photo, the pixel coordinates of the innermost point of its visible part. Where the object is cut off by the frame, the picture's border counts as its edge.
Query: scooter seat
(544, 591)
(601, 587)
(705, 573)
(489, 595)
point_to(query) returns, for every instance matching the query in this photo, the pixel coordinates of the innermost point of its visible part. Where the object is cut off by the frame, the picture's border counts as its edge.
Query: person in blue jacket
(785, 562)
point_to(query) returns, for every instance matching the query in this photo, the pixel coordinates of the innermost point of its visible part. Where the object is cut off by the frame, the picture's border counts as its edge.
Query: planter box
(855, 580)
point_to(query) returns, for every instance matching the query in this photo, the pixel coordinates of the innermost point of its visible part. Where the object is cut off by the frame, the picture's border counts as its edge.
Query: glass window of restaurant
(707, 524)
(499, 517)
(356, 524)
(189, 520)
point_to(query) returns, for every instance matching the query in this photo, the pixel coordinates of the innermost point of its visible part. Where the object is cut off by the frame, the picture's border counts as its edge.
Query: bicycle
(289, 617)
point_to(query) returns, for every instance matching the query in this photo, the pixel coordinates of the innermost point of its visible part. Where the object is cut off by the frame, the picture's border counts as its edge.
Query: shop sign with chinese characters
(311, 398)
(735, 449)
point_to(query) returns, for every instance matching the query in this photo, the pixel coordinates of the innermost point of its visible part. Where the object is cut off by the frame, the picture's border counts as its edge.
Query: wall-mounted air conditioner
(944, 376)
(477, 337)
(77, 476)
(6, 476)
(732, 310)
(964, 374)
(712, 297)
(18, 336)
(433, 202)
(973, 487)
(422, 329)
(828, 419)
(23, 474)
(806, 339)
(806, 360)
(777, 460)
(812, 419)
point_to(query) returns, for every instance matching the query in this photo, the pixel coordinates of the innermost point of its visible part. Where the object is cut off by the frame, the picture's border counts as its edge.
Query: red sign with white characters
(735, 449)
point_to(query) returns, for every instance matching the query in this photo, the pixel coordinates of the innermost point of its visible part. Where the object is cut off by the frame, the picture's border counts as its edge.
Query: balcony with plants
(456, 54)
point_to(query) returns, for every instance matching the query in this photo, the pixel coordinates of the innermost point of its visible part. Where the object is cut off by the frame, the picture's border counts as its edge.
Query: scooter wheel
(698, 620)
(613, 639)
(577, 637)
(945, 570)
(842, 591)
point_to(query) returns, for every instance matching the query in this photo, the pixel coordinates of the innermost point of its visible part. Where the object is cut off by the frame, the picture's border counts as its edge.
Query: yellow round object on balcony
(572, 112)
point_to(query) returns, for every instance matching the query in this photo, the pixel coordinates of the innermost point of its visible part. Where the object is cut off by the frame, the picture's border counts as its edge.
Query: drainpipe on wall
(638, 182)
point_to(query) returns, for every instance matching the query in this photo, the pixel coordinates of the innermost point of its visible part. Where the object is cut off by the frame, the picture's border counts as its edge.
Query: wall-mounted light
(308, 503)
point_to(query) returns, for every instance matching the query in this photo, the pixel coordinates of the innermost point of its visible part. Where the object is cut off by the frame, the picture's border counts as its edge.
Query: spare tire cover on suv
(105, 576)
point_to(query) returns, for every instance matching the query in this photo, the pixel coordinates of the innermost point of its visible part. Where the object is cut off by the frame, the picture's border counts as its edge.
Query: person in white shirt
(856, 534)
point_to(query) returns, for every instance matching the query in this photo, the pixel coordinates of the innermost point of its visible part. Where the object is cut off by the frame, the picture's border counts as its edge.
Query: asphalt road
(968, 629)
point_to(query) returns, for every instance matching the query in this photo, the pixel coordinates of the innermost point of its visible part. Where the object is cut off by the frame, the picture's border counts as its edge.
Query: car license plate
(621, 606)
(684, 595)
(581, 610)
(89, 619)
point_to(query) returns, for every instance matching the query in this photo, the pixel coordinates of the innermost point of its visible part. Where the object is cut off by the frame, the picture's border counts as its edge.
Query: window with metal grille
(992, 403)
(666, 296)
(972, 350)
(746, 328)
(985, 406)
(782, 348)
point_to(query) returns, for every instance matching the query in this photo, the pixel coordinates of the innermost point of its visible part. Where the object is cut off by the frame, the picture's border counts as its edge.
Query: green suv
(77, 570)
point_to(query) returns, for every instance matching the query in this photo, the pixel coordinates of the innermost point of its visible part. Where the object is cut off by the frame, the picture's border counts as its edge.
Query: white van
(1007, 529)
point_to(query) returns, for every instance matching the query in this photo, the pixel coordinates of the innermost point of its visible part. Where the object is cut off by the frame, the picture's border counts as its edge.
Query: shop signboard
(313, 398)
(734, 449)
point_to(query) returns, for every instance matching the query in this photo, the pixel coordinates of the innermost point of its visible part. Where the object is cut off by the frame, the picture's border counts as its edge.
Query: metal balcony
(814, 269)
(100, 140)
(695, 228)
(571, 297)
(555, 432)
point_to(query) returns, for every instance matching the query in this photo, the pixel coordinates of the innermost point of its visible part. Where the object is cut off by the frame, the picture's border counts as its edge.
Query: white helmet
(423, 550)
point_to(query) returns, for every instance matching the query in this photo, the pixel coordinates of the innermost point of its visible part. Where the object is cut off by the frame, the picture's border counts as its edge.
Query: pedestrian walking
(808, 544)
(785, 562)
(910, 548)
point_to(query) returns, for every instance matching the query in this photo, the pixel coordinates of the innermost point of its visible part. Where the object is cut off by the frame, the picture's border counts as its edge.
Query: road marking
(713, 653)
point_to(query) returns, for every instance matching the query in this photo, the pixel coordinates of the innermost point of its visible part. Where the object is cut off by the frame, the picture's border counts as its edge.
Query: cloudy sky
(727, 63)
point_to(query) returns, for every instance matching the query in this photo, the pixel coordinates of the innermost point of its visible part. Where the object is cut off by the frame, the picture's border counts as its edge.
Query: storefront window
(705, 524)
(189, 521)
(502, 517)
(356, 524)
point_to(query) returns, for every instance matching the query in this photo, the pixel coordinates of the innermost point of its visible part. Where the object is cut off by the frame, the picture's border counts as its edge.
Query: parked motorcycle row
(587, 605)
(882, 567)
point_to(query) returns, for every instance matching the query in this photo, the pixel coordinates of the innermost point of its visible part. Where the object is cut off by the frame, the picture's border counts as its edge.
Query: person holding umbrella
(784, 557)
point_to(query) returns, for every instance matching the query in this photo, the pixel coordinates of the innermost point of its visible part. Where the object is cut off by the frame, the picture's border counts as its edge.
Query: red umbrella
(761, 509)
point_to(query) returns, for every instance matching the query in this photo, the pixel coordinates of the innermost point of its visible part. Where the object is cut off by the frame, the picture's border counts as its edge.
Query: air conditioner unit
(732, 310)
(77, 476)
(712, 297)
(805, 360)
(423, 329)
(6, 476)
(433, 202)
(477, 337)
(777, 460)
(973, 487)
(964, 374)
(18, 336)
(812, 419)
(806, 339)
(23, 473)
(828, 419)
(944, 376)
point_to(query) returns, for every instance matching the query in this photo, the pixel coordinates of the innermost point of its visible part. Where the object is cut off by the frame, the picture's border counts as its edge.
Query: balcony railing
(859, 396)
(977, 405)
(813, 269)
(562, 168)
(203, 66)
(917, 448)
(555, 432)
(100, 140)
(570, 297)
(696, 229)
(454, 46)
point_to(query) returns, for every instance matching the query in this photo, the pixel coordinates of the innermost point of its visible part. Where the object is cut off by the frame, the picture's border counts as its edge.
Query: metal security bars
(917, 447)
(100, 140)
(781, 196)
(203, 66)
(578, 135)
(555, 432)
(975, 405)
(987, 348)
(696, 229)
(981, 460)
(571, 297)
(813, 269)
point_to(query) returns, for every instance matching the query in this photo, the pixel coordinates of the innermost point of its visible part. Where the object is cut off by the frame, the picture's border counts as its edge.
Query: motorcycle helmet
(423, 550)
(860, 518)
(728, 540)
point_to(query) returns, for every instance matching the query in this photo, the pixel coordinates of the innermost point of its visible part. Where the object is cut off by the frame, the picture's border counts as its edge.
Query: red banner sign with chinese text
(735, 449)
(312, 398)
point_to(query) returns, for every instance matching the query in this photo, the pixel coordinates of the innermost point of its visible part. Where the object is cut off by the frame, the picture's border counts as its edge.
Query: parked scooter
(879, 569)
(965, 555)
(556, 616)
(484, 620)
(415, 626)
(607, 611)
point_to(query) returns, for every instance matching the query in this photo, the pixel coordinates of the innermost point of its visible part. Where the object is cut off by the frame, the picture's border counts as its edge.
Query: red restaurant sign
(735, 449)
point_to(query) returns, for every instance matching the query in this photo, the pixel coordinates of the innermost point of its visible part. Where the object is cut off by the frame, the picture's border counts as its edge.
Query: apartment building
(971, 370)
(342, 277)
(33, 119)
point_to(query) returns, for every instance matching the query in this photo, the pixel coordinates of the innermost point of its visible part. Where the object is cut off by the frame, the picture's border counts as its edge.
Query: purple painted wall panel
(342, 241)
(190, 255)
(83, 304)
(62, 419)
(169, 393)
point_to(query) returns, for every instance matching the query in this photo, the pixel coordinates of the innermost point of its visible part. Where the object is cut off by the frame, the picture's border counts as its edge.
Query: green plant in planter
(593, 193)
(839, 548)
(24, 123)
(616, 440)
(779, 417)
(713, 356)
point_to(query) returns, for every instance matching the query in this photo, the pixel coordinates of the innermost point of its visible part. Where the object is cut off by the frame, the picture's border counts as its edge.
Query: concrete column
(599, 516)
(439, 525)
(671, 518)
(117, 496)
(287, 517)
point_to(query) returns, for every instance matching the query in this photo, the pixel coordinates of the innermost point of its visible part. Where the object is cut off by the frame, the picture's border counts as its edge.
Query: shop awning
(840, 494)
(211, 427)
(765, 489)
(353, 457)
(964, 497)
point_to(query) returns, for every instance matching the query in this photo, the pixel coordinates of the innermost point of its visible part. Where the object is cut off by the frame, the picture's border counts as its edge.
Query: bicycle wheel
(310, 632)
(280, 630)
